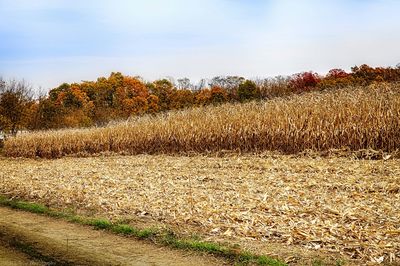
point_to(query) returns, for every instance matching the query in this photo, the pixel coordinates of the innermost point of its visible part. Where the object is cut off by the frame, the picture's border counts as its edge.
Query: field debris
(328, 204)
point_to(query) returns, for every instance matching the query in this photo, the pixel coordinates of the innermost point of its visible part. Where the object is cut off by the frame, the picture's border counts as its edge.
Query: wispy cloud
(52, 41)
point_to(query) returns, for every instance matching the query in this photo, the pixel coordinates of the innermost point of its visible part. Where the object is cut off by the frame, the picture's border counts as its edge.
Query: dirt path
(66, 243)
(10, 256)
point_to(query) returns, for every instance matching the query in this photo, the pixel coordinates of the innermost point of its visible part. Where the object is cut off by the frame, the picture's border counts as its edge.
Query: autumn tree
(15, 99)
(49, 115)
(32, 118)
(106, 87)
(131, 97)
(73, 98)
(54, 93)
(203, 97)
(163, 89)
(364, 74)
(248, 90)
(336, 78)
(102, 94)
(215, 95)
(305, 81)
(134, 106)
(153, 104)
(218, 95)
(181, 98)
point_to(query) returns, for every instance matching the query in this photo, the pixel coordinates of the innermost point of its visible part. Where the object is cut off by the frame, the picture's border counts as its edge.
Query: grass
(100, 224)
(353, 119)
(25, 206)
(240, 257)
(166, 238)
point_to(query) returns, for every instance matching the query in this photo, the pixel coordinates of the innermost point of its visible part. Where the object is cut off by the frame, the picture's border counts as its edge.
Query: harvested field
(327, 204)
(352, 119)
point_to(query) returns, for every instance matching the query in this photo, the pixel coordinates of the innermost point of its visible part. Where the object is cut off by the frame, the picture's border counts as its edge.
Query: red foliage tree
(305, 81)
(337, 73)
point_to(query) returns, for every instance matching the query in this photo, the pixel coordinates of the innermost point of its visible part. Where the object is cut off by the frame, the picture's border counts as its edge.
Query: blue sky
(48, 42)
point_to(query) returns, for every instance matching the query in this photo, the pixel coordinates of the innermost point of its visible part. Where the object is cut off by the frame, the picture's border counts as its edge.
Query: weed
(124, 229)
(100, 223)
(146, 233)
(28, 206)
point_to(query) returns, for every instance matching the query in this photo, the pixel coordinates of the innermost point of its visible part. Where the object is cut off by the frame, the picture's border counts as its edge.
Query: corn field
(354, 119)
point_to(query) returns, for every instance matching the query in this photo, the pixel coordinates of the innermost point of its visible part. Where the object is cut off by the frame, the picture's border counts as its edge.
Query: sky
(48, 42)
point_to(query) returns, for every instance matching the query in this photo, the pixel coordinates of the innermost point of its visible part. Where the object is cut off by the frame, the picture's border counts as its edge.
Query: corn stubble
(352, 119)
(341, 206)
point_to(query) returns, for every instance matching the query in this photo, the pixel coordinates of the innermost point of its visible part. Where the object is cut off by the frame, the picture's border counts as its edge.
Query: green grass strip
(164, 237)
(25, 206)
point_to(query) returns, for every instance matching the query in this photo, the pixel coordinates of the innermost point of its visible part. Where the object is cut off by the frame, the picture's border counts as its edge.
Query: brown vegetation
(321, 204)
(354, 118)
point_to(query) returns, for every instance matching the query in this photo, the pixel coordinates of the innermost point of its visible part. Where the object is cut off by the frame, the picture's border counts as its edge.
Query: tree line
(95, 103)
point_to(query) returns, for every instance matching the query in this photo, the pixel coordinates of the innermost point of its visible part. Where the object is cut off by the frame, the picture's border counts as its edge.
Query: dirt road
(59, 242)
(12, 257)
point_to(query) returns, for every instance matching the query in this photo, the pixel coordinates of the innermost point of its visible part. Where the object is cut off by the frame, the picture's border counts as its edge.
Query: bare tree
(200, 85)
(274, 87)
(184, 83)
(228, 82)
(15, 97)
